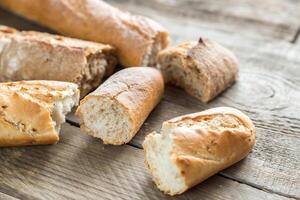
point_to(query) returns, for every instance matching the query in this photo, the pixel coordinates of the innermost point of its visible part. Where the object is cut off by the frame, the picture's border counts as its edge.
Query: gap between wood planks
(72, 123)
(296, 37)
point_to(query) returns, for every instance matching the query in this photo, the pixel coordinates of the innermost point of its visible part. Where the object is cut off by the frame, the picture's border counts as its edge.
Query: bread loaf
(137, 39)
(203, 69)
(31, 112)
(29, 55)
(193, 147)
(117, 109)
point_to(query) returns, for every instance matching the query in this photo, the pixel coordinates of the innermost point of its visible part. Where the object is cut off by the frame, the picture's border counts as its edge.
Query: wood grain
(269, 18)
(81, 167)
(6, 197)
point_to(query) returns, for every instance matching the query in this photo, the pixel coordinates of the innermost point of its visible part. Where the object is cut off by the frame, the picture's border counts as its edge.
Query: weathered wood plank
(6, 197)
(81, 167)
(270, 18)
(297, 38)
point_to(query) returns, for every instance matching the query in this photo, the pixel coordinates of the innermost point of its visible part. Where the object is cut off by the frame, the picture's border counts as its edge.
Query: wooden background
(264, 36)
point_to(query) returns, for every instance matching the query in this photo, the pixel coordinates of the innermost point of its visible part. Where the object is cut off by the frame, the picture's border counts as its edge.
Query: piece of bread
(137, 39)
(193, 147)
(31, 112)
(117, 109)
(28, 55)
(203, 69)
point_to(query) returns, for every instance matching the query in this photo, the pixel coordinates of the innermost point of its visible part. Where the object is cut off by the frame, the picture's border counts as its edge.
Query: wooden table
(264, 36)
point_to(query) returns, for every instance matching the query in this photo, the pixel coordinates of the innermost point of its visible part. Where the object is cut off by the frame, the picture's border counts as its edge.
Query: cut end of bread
(62, 107)
(188, 78)
(158, 158)
(105, 119)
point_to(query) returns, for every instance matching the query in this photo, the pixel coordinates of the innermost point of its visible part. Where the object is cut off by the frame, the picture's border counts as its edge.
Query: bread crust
(26, 111)
(29, 55)
(133, 36)
(137, 90)
(199, 153)
(205, 68)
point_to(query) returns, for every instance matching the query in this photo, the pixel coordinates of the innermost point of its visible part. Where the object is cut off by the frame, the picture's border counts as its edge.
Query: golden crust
(29, 55)
(95, 20)
(200, 152)
(25, 111)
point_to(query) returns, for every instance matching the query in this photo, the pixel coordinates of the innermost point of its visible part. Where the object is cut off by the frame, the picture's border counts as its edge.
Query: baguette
(117, 109)
(203, 69)
(193, 147)
(29, 55)
(137, 39)
(31, 112)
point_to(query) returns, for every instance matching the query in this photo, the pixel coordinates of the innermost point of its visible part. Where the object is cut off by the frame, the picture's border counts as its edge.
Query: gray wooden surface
(80, 167)
(264, 36)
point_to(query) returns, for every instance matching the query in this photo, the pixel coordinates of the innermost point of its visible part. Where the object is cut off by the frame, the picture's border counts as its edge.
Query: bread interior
(62, 107)
(187, 77)
(104, 118)
(158, 148)
(94, 72)
(150, 57)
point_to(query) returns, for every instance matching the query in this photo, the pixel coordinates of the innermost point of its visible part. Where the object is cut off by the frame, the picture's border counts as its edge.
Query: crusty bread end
(31, 112)
(203, 69)
(117, 109)
(193, 147)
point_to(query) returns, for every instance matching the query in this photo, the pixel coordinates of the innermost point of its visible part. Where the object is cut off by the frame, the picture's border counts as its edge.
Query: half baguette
(117, 109)
(137, 39)
(29, 55)
(193, 147)
(31, 112)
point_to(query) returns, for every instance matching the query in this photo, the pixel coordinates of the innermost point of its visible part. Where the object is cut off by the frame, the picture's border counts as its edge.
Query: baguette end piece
(193, 147)
(31, 112)
(117, 109)
(203, 69)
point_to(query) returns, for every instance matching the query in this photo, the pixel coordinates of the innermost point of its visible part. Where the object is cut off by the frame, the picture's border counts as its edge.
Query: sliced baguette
(31, 112)
(29, 55)
(193, 147)
(117, 109)
(203, 69)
